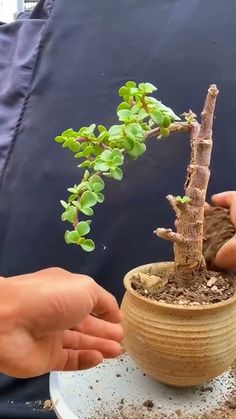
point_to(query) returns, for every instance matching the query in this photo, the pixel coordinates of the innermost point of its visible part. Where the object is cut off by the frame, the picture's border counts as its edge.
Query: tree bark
(188, 241)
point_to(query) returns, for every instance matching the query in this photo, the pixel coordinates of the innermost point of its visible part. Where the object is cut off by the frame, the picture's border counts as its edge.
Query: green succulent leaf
(157, 117)
(101, 166)
(64, 204)
(130, 84)
(123, 105)
(72, 197)
(166, 121)
(59, 139)
(124, 115)
(102, 128)
(135, 131)
(70, 214)
(88, 199)
(164, 132)
(115, 130)
(100, 197)
(87, 211)
(72, 237)
(117, 173)
(183, 200)
(138, 149)
(88, 245)
(83, 228)
(147, 88)
(106, 155)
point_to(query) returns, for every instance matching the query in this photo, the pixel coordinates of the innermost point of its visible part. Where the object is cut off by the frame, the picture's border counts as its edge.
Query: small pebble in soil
(148, 404)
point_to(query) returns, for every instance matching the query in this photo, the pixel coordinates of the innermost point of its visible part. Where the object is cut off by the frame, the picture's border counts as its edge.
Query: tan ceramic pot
(176, 345)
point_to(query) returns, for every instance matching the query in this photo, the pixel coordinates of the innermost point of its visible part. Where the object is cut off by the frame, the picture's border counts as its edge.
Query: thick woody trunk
(188, 240)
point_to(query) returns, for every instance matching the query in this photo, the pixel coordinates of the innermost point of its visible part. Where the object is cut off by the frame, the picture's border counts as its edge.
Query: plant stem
(188, 240)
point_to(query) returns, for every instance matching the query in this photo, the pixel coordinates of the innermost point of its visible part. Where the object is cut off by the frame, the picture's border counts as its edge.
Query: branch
(175, 127)
(208, 112)
(168, 234)
(174, 204)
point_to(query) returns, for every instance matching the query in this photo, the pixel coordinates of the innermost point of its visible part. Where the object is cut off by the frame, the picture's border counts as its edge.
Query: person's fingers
(106, 306)
(72, 360)
(226, 200)
(63, 300)
(226, 256)
(79, 341)
(207, 208)
(223, 199)
(100, 328)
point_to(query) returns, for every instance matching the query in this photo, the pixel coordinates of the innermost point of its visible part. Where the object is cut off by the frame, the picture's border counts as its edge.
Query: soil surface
(212, 286)
(218, 229)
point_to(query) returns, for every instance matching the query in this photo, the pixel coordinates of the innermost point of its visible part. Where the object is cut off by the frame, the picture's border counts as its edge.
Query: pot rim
(127, 285)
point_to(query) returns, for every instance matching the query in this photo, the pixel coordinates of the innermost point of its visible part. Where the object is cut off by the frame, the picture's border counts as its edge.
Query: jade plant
(102, 152)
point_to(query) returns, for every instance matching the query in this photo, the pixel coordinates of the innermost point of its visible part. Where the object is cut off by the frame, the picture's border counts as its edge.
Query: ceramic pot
(178, 345)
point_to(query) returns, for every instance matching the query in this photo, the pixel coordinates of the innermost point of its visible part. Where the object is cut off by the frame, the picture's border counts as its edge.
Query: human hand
(226, 256)
(46, 323)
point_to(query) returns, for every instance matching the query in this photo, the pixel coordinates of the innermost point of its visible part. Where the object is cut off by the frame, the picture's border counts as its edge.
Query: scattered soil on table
(218, 229)
(212, 287)
(47, 405)
(151, 409)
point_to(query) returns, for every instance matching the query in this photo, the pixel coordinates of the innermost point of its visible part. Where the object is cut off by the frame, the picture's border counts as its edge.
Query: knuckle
(55, 271)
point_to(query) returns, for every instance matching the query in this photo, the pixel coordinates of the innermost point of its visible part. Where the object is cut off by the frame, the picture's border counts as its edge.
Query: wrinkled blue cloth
(61, 68)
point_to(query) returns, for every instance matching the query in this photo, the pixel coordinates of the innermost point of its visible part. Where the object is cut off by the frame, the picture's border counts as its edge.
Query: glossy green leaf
(59, 139)
(88, 245)
(100, 197)
(101, 166)
(166, 121)
(164, 132)
(147, 87)
(97, 187)
(118, 160)
(64, 204)
(124, 115)
(102, 128)
(69, 133)
(72, 197)
(86, 163)
(72, 190)
(128, 144)
(88, 151)
(157, 117)
(130, 84)
(138, 149)
(70, 215)
(117, 173)
(88, 199)
(95, 179)
(83, 228)
(123, 105)
(87, 211)
(71, 237)
(115, 130)
(134, 131)
(106, 155)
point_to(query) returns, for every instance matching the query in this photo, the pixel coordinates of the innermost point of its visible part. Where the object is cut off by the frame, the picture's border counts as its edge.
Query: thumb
(225, 258)
(226, 200)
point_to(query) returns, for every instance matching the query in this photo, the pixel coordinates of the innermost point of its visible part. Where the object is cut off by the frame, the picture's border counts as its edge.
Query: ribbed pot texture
(179, 346)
